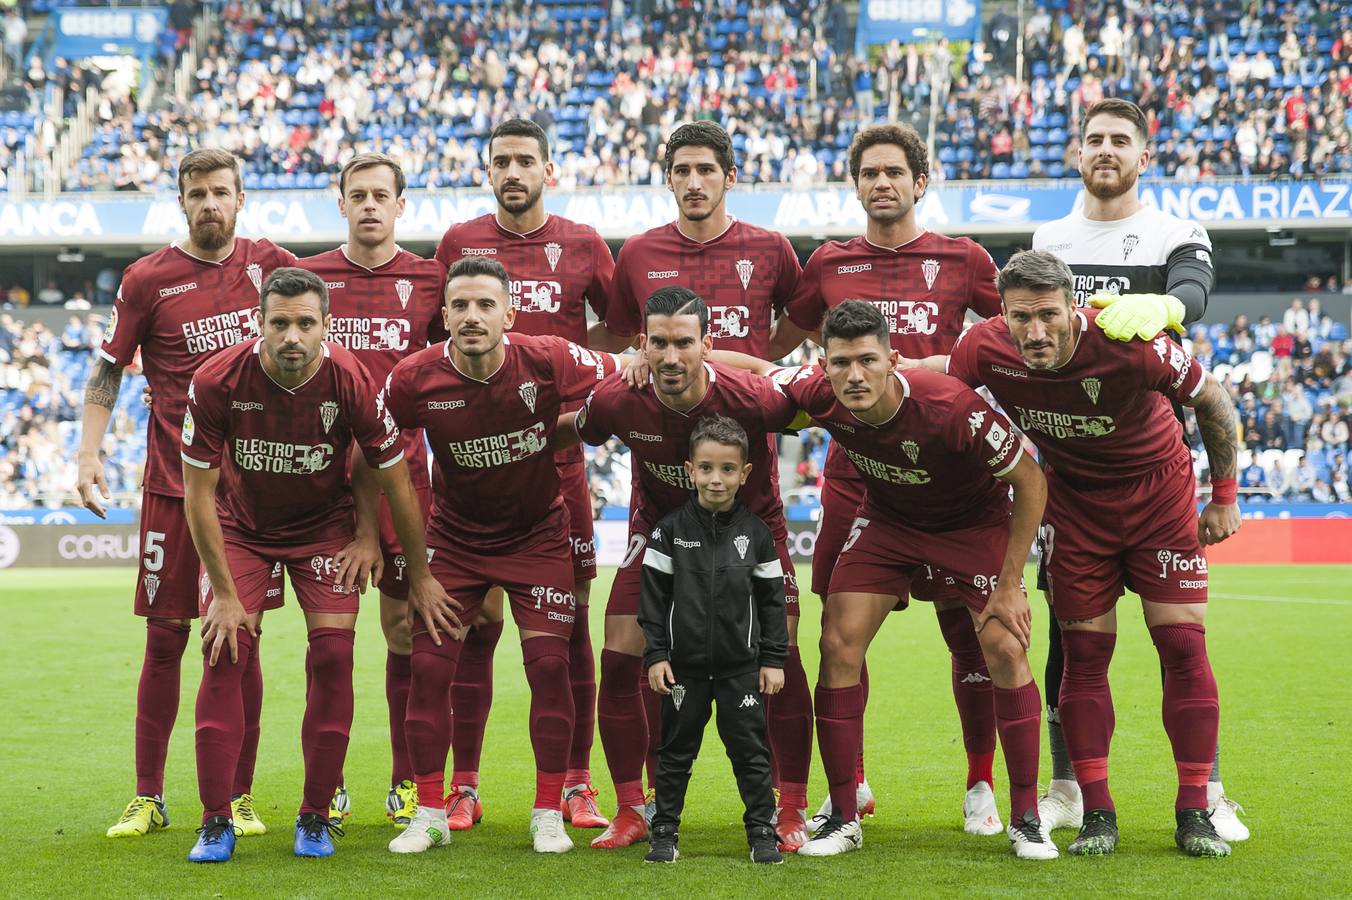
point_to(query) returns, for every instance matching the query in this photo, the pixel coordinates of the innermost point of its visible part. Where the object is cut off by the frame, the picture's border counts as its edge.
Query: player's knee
(398, 635)
(1001, 649)
(838, 652)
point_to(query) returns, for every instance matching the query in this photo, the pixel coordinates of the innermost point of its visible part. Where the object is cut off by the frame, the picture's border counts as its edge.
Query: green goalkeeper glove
(1143, 316)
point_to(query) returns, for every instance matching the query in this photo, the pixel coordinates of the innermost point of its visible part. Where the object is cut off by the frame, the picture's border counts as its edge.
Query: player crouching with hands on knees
(715, 626)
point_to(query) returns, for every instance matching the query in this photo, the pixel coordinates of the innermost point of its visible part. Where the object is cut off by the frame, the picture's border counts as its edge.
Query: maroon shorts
(1142, 536)
(882, 556)
(537, 576)
(393, 582)
(577, 500)
(167, 583)
(840, 505)
(627, 586)
(257, 571)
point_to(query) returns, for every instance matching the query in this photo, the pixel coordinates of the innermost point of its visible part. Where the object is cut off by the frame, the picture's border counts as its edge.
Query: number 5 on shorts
(153, 551)
(855, 530)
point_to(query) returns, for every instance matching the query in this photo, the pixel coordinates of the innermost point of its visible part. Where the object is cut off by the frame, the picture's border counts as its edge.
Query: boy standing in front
(715, 628)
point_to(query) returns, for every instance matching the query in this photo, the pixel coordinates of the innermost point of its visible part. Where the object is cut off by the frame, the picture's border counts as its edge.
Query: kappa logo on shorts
(974, 678)
(748, 701)
(677, 695)
(1173, 561)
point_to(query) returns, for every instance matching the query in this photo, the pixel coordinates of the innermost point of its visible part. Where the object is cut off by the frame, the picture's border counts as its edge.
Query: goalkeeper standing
(1147, 270)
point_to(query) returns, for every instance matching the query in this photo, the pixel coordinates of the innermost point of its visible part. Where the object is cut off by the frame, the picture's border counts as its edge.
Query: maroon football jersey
(658, 438)
(745, 276)
(555, 271)
(930, 466)
(1102, 419)
(282, 451)
(180, 310)
(923, 289)
(383, 315)
(494, 483)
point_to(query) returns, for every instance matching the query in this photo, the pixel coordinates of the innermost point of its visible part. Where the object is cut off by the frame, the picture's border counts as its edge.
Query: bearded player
(745, 275)
(178, 306)
(272, 423)
(386, 305)
(558, 267)
(656, 423)
(1120, 511)
(489, 403)
(1148, 270)
(923, 284)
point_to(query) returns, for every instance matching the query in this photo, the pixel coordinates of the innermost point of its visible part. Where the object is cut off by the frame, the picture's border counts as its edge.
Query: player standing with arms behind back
(923, 284)
(179, 306)
(386, 305)
(1151, 270)
(745, 276)
(557, 268)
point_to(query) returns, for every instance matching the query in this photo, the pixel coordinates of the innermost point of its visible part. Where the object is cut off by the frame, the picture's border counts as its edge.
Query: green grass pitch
(1278, 639)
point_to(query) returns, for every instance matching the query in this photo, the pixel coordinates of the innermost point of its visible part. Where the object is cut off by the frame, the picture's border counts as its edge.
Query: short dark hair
(472, 266)
(720, 430)
(204, 162)
(903, 136)
(368, 161)
(1036, 270)
(855, 319)
(702, 134)
(677, 301)
(520, 128)
(1122, 109)
(289, 281)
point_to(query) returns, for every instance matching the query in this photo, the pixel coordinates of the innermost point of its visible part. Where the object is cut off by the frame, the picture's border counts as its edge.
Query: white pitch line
(1312, 601)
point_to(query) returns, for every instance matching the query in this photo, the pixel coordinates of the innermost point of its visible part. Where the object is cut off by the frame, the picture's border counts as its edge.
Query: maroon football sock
(839, 712)
(1018, 715)
(251, 689)
(472, 695)
(328, 715)
(652, 714)
(396, 698)
(1087, 712)
(1191, 707)
(790, 721)
(623, 725)
(157, 702)
(972, 692)
(551, 715)
(220, 725)
(582, 678)
(859, 757)
(427, 724)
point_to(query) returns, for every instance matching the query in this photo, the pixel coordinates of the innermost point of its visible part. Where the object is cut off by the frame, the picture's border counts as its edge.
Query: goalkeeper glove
(1143, 316)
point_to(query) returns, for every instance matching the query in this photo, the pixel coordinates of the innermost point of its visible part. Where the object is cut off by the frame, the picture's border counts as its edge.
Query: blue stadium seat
(1018, 170)
(1000, 170)
(1055, 170)
(947, 155)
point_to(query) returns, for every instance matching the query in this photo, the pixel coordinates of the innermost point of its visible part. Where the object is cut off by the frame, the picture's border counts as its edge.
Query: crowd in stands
(42, 377)
(1290, 376)
(1259, 89)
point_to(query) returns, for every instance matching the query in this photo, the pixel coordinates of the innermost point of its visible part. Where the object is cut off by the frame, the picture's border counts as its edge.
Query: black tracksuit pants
(741, 725)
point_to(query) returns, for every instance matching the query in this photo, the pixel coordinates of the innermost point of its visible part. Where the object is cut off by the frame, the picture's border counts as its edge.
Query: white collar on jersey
(922, 233)
(210, 262)
(905, 395)
(258, 351)
(446, 352)
(523, 234)
(732, 220)
(397, 251)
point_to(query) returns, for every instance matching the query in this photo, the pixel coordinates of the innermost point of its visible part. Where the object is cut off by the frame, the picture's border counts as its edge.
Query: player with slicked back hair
(178, 306)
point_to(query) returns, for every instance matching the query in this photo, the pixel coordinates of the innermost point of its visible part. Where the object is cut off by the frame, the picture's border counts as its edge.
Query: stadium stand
(295, 87)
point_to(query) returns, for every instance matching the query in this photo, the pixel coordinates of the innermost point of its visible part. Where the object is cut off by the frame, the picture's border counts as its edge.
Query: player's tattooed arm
(1216, 423)
(104, 384)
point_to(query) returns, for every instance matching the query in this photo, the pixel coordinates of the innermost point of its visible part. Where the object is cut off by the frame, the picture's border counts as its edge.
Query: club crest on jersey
(403, 288)
(742, 543)
(255, 273)
(152, 583)
(528, 393)
(1092, 386)
(189, 428)
(328, 414)
(912, 451)
(930, 269)
(1129, 244)
(677, 695)
(744, 269)
(553, 253)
